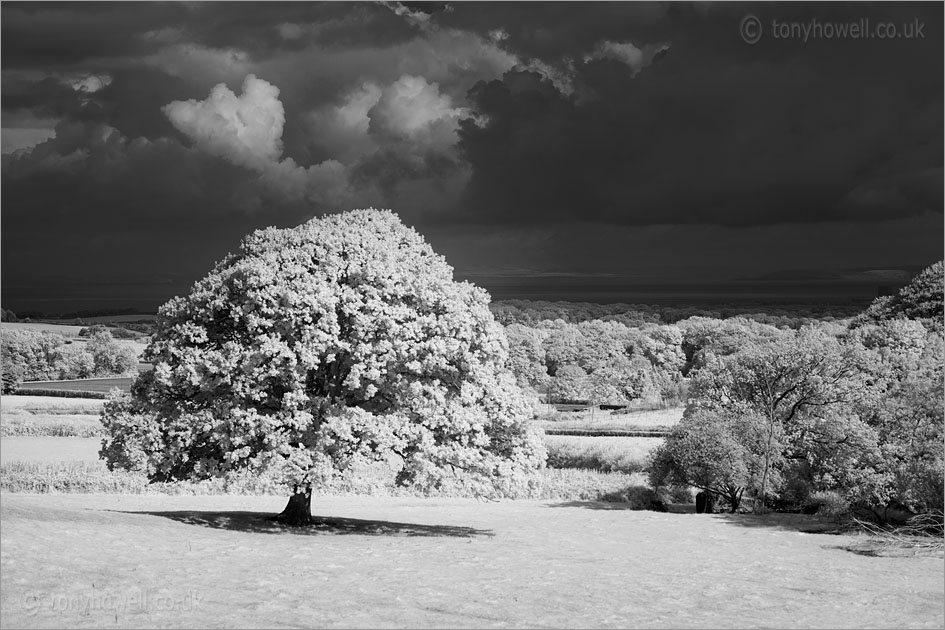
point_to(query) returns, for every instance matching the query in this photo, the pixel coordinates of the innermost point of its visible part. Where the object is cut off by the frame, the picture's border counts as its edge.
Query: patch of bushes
(637, 498)
(829, 504)
(41, 355)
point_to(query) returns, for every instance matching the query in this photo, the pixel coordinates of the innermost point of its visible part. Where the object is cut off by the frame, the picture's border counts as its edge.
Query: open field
(55, 464)
(103, 385)
(156, 561)
(63, 329)
(604, 421)
(49, 416)
(627, 454)
(49, 449)
(45, 405)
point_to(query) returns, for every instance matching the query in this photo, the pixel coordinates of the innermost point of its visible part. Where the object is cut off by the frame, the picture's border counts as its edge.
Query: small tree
(108, 356)
(782, 381)
(715, 453)
(11, 379)
(314, 347)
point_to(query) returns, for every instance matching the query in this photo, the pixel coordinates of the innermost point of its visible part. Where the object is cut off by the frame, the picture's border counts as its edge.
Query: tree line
(35, 355)
(849, 416)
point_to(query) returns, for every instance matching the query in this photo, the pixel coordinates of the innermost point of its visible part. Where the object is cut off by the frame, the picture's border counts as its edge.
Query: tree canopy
(313, 347)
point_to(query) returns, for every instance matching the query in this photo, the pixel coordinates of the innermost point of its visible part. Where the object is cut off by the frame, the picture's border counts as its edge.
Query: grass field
(62, 329)
(49, 449)
(603, 421)
(46, 405)
(139, 555)
(119, 561)
(625, 454)
(103, 385)
(35, 416)
(55, 464)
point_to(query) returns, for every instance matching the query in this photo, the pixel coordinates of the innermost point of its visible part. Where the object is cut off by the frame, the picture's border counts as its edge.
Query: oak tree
(311, 348)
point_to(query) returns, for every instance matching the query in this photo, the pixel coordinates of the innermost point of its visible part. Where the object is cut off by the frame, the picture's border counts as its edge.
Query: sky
(590, 151)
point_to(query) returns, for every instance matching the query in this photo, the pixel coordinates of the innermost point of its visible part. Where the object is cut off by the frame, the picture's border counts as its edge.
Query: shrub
(11, 379)
(829, 504)
(637, 498)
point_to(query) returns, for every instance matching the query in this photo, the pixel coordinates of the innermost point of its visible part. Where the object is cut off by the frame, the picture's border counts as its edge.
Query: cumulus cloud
(415, 110)
(626, 52)
(245, 129)
(88, 83)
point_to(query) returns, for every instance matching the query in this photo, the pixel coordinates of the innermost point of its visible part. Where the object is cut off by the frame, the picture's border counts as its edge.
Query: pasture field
(604, 421)
(63, 329)
(39, 405)
(122, 561)
(103, 385)
(49, 449)
(626, 454)
(55, 464)
(50, 416)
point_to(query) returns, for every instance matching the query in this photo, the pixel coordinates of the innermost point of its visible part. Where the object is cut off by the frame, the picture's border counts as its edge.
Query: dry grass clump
(605, 454)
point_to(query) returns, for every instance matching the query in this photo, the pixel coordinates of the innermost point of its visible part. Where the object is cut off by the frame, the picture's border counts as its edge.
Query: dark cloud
(717, 133)
(56, 35)
(561, 138)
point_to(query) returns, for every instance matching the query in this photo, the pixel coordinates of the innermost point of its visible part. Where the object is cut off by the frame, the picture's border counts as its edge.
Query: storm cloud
(155, 128)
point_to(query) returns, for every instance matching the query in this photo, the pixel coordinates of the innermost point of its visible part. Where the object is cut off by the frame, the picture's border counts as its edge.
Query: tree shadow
(802, 523)
(263, 523)
(605, 505)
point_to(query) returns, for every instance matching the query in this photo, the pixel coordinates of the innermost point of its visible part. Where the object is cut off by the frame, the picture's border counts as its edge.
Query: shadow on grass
(263, 523)
(802, 523)
(618, 506)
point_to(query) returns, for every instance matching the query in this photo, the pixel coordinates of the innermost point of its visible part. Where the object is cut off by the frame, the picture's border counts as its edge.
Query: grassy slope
(146, 561)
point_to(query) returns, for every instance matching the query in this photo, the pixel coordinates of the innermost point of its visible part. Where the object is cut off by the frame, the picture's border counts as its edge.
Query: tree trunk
(298, 511)
(760, 508)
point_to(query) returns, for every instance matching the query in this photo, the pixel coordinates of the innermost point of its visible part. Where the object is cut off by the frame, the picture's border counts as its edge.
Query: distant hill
(922, 299)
